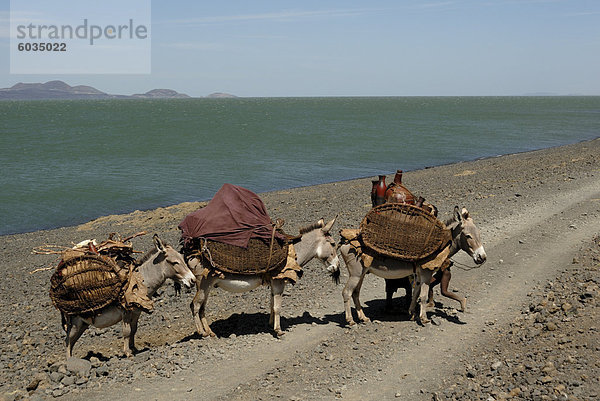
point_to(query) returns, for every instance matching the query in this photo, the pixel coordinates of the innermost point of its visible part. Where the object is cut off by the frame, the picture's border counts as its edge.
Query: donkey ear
(159, 244)
(327, 228)
(457, 215)
(465, 213)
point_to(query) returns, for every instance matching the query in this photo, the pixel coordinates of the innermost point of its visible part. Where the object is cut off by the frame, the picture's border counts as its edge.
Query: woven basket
(403, 232)
(85, 284)
(252, 260)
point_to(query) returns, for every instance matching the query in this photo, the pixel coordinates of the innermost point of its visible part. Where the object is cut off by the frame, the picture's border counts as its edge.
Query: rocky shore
(530, 333)
(550, 351)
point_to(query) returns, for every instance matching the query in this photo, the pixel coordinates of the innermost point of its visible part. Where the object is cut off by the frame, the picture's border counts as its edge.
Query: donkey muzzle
(189, 280)
(334, 265)
(479, 255)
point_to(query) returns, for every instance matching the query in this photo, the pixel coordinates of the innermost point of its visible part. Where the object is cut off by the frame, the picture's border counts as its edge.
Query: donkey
(160, 263)
(315, 241)
(465, 236)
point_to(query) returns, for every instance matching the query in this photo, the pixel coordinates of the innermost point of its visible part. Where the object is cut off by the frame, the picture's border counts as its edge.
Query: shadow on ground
(242, 324)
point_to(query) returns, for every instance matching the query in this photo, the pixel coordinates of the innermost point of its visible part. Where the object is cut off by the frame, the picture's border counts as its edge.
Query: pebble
(547, 379)
(78, 366)
(56, 376)
(102, 371)
(68, 380)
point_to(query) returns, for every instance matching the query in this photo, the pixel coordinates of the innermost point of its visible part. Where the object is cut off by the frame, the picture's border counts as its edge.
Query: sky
(358, 48)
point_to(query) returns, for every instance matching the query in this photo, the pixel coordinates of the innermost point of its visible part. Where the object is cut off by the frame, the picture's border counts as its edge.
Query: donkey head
(317, 242)
(469, 239)
(176, 268)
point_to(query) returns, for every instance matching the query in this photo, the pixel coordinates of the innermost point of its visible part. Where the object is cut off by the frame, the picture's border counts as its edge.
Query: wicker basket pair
(403, 231)
(86, 283)
(260, 257)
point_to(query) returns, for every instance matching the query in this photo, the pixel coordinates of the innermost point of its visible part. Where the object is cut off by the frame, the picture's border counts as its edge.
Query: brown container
(374, 192)
(397, 192)
(380, 191)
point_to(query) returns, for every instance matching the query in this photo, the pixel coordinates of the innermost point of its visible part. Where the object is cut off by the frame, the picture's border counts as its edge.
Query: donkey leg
(133, 325)
(198, 307)
(413, 303)
(203, 319)
(75, 326)
(356, 273)
(390, 288)
(127, 334)
(356, 298)
(425, 279)
(346, 295)
(435, 280)
(195, 308)
(271, 306)
(416, 293)
(277, 287)
(445, 281)
(352, 289)
(407, 285)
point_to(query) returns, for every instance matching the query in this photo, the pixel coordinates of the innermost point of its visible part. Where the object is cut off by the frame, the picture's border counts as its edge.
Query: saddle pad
(403, 231)
(85, 284)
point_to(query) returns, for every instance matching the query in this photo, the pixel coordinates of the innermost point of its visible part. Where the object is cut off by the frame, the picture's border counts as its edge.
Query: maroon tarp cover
(233, 216)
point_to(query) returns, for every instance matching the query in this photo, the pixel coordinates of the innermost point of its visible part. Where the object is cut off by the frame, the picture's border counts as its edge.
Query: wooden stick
(48, 249)
(135, 235)
(42, 269)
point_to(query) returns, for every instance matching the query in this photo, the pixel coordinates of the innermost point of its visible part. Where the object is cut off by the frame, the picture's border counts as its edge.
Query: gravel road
(530, 331)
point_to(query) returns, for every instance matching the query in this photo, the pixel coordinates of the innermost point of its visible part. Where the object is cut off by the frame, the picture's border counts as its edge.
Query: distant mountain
(62, 90)
(51, 90)
(161, 94)
(220, 95)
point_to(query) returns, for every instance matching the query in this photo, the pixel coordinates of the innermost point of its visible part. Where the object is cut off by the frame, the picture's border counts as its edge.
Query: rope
(278, 224)
(206, 251)
(464, 266)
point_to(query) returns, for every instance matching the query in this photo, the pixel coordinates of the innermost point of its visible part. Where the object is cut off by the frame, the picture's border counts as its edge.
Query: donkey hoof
(279, 333)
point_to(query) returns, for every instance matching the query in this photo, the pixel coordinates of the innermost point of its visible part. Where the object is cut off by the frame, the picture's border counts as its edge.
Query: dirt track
(537, 211)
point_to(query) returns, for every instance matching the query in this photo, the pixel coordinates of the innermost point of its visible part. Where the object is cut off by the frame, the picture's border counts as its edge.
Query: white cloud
(4, 25)
(437, 4)
(583, 14)
(274, 16)
(192, 46)
(16, 17)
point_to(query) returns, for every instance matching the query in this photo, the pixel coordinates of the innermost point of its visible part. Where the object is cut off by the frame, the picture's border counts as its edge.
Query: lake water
(66, 162)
